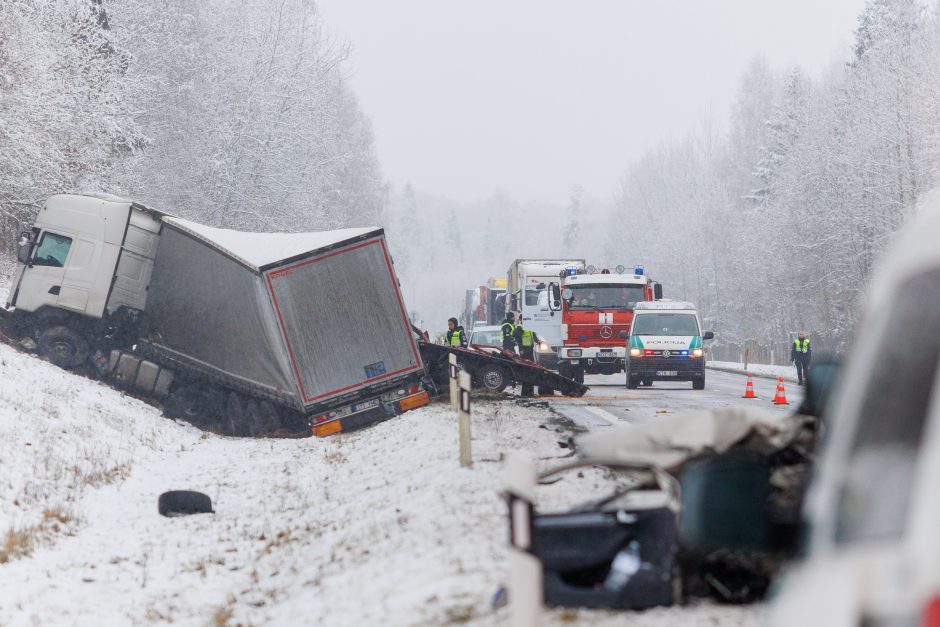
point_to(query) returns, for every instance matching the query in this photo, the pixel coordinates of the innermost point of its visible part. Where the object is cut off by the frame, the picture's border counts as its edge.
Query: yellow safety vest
(527, 340)
(455, 337)
(801, 349)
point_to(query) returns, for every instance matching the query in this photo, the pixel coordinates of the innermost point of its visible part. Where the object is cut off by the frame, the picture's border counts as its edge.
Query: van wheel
(493, 378)
(64, 347)
(698, 384)
(632, 382)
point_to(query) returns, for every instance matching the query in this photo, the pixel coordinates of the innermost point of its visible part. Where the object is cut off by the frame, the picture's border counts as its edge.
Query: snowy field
(377, 527)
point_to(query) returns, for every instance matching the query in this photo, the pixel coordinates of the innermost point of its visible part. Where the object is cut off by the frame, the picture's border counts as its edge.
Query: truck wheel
(493, 378)
(648, 382)
(64, 347)
(270, 420)
(254, 418)
(234, 419)
(183, 503)
(698, 384)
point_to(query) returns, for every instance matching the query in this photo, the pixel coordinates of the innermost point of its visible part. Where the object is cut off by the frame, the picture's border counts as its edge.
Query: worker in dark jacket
(455, 335)
(800, 354)
(508, 329)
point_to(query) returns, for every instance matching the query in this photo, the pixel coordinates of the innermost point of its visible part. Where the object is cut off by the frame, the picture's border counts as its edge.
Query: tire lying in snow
(184, 503)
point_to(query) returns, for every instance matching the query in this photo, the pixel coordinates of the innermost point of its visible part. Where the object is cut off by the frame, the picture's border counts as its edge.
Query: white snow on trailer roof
(257, 250)
(598, 279)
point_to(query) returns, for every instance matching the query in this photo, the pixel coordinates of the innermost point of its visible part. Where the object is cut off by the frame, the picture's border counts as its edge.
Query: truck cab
(595, 309)
(529, 298)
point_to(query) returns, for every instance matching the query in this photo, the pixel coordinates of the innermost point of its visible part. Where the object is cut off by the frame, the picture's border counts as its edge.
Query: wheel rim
(492, 379)
(64, 349)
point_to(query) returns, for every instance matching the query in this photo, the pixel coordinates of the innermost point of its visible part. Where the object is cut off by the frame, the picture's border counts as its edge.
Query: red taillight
(931, 615)
(321, 418)
(414, 389)
(649, 352)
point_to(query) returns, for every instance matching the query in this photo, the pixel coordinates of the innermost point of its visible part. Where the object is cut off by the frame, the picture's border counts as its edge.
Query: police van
(665, 344)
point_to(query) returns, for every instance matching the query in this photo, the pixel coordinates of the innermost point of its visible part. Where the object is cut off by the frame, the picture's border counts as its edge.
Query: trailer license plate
(667, 373)
(357, 407)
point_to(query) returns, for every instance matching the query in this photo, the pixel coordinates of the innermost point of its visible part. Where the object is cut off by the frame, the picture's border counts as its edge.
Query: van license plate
(667, 373)
(364, 406)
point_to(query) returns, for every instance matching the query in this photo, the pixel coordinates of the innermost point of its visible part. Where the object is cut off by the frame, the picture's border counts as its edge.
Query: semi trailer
(246, 333)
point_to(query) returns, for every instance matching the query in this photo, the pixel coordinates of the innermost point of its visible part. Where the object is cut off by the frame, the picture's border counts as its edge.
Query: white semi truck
(528, 297)
(247, 333)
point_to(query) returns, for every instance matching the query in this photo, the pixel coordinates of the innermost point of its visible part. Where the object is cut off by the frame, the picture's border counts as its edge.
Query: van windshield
(665, 324)
(605, 296)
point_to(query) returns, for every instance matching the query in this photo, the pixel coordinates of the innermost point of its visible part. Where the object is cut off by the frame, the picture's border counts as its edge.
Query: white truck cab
(69, 256)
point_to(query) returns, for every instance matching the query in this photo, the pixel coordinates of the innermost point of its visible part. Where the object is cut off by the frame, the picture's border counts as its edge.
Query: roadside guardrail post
(525, 570)
(452, 358)
(463, 417)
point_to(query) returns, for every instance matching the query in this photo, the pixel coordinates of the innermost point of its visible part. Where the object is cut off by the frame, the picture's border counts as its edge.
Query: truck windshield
(665, 324)
(605, 296)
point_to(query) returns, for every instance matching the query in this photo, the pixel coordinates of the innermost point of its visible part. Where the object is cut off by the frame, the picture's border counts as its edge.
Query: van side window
(875, 496)
(52, 250)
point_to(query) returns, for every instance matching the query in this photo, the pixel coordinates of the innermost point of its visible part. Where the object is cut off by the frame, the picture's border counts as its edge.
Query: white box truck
(244, 332)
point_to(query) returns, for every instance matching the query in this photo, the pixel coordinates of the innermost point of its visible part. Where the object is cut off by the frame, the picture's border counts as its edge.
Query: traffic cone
(749, 388)
(780, 398)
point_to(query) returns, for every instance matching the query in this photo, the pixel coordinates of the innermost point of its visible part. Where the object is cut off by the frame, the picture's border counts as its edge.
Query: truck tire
(698, 384)
(64, 347)
(183, 503)
(632, 382)
(492, 378)
(234, 418)
(270, 420)
(255, 419)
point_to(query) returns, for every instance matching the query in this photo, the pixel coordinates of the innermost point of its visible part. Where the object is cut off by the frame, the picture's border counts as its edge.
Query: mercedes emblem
(606, 333)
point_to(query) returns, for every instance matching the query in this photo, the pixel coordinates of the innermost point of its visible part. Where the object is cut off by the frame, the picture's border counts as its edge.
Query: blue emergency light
(638, 270)
(571, 271)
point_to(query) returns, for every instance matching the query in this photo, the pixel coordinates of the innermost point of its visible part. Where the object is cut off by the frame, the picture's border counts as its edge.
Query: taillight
(931, 615)
(649, 352)
(321, 418)
(414, 389)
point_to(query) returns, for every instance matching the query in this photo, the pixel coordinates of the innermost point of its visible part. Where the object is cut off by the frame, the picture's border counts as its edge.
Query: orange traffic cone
(749, 388)
(780, 398)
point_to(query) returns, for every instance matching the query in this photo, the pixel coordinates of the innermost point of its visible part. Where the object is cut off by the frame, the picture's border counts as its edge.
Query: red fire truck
(595, 308)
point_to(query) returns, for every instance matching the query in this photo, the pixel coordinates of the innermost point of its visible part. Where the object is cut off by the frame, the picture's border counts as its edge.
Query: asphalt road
(609, 402)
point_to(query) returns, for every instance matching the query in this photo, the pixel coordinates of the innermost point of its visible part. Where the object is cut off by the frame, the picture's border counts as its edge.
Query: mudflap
(578, 552)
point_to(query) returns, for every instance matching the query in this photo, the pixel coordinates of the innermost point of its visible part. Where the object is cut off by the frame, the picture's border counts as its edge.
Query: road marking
(602, 413)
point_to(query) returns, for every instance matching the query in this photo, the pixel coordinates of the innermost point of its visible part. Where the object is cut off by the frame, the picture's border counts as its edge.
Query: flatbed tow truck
(493, 368)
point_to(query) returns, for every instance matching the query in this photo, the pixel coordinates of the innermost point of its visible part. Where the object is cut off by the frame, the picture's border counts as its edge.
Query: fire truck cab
(596, 307)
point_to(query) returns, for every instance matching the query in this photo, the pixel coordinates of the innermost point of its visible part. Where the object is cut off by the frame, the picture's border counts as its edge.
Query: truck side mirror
(554, 297)
(708, 336)
(657, 291)
(25, 246)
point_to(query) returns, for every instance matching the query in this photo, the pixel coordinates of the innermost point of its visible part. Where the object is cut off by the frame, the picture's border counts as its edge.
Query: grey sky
(532, 96)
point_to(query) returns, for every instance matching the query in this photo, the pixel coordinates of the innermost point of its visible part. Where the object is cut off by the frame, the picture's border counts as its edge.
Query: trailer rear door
(343, 320)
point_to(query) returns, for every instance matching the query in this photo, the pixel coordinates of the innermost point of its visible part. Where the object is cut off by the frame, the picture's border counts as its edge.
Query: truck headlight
(636, 352)
(575, 352)
(544, 347)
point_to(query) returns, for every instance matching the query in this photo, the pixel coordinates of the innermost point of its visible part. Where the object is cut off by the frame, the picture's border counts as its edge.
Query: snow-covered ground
(758, 370)
(377, 527)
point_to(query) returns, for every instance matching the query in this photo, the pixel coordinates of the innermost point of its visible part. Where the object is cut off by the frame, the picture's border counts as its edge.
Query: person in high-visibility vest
(508, 329)
(800, 354)
(455, 335)
(526, 339)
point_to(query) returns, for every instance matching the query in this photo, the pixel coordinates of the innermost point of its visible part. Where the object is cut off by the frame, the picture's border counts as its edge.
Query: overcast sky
(533, 96)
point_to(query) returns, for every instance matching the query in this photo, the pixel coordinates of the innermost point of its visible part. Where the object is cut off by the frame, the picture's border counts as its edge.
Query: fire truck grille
(598, 334)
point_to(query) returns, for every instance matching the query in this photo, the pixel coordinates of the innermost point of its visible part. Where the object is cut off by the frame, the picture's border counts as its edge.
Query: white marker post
(452, 358)
(525, 570)
(463, 417)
